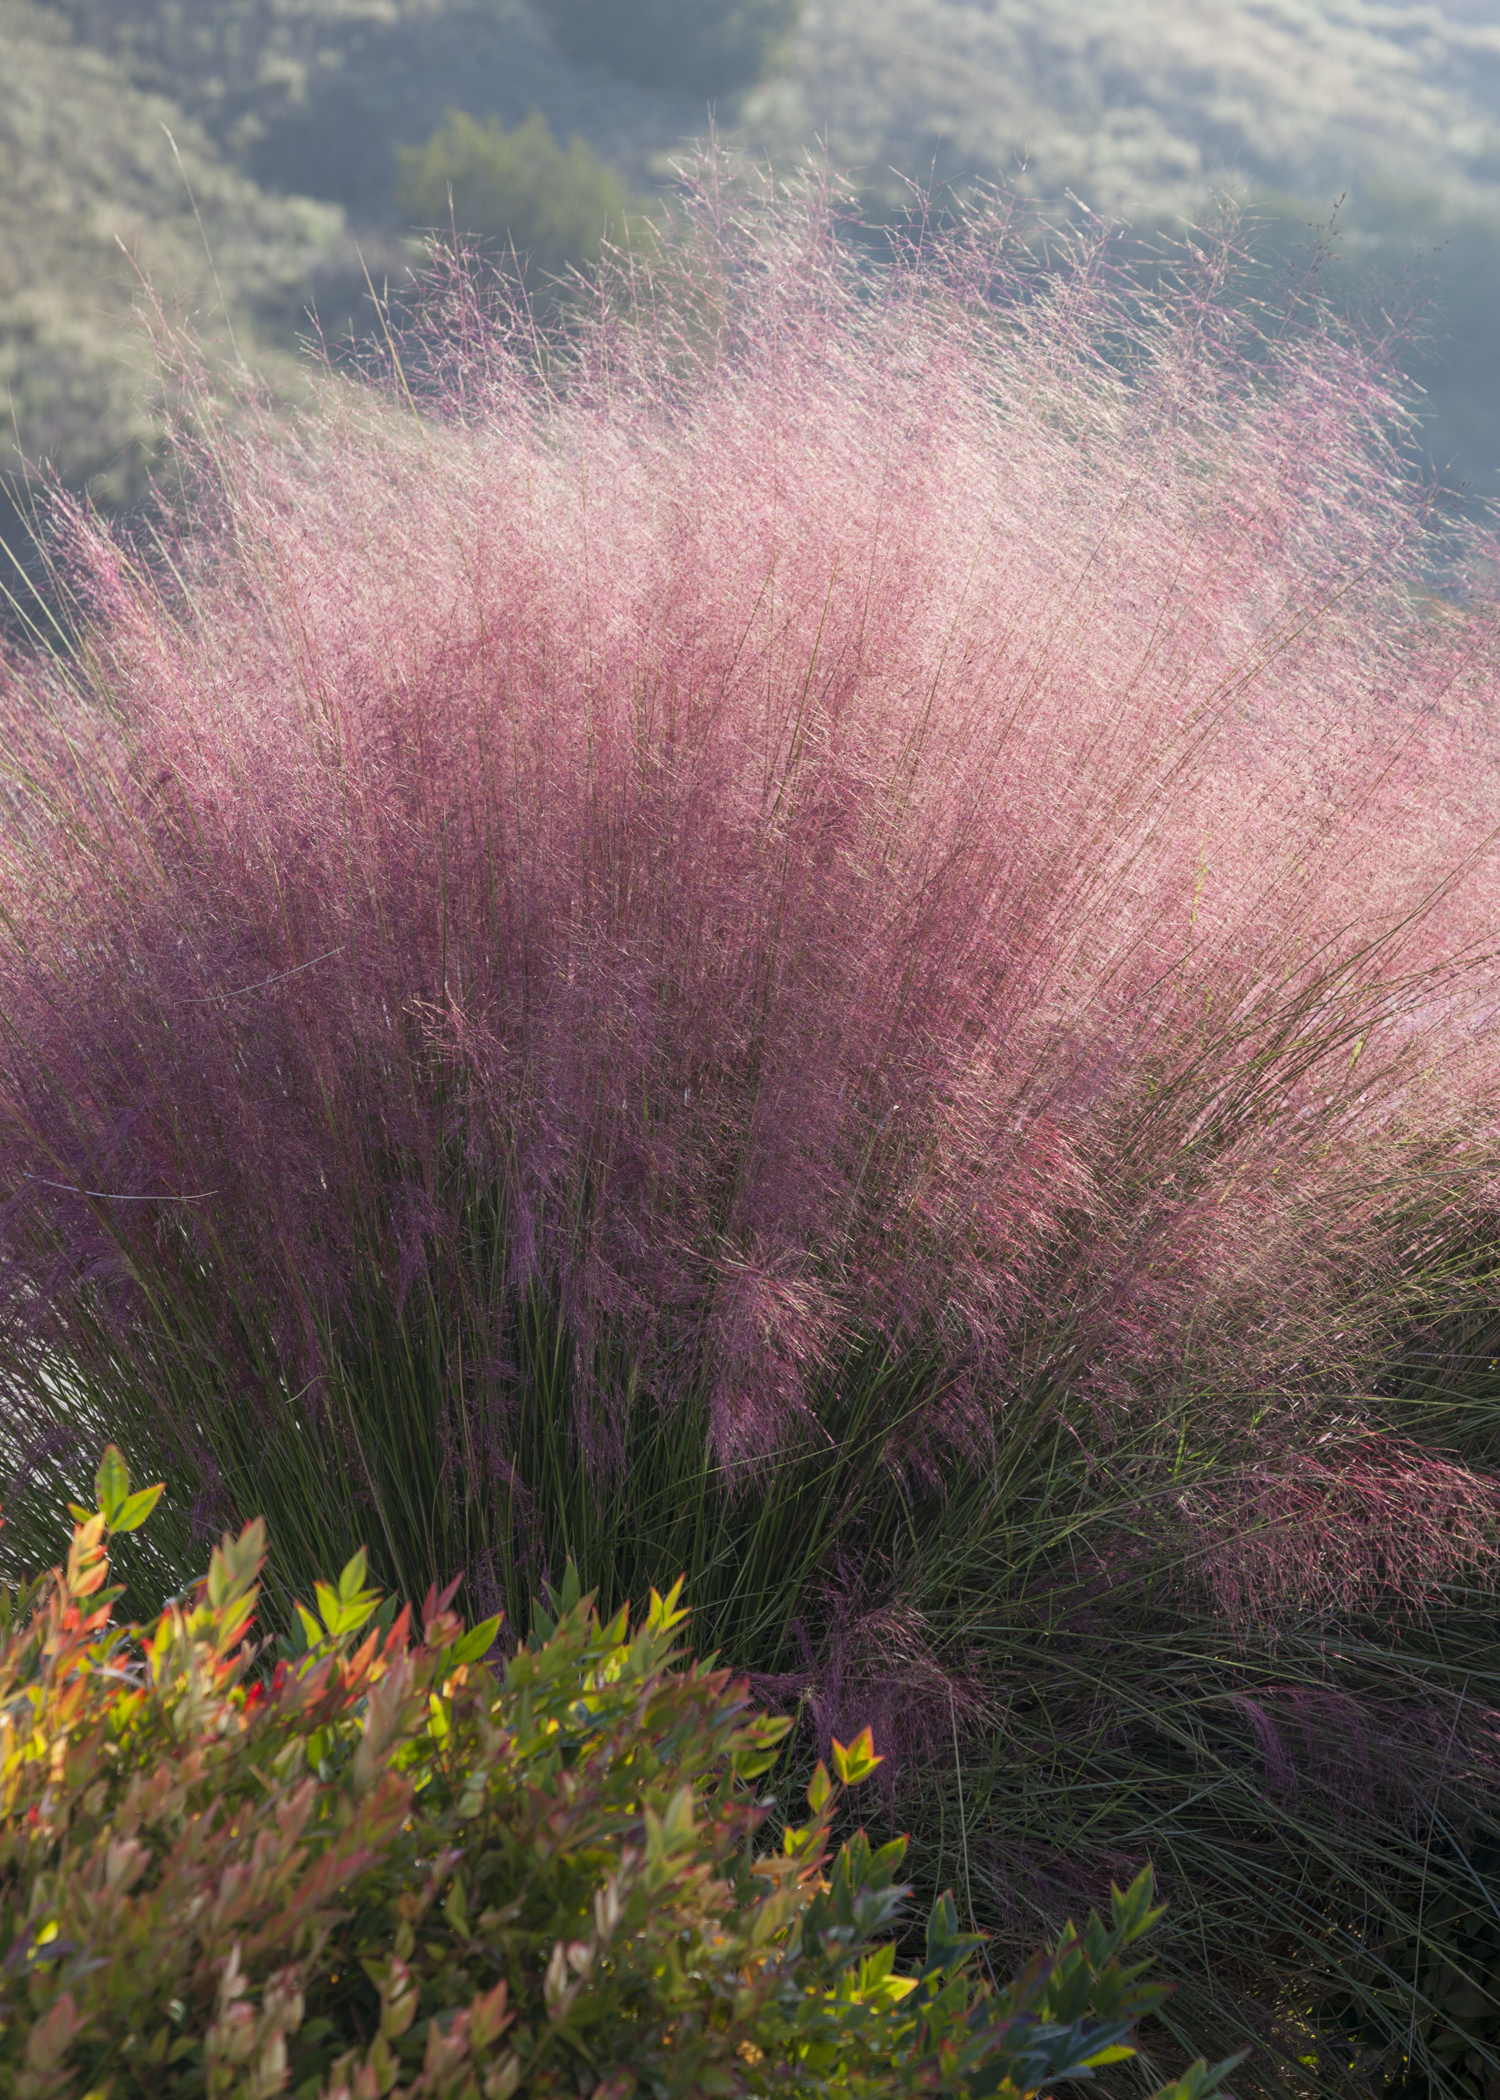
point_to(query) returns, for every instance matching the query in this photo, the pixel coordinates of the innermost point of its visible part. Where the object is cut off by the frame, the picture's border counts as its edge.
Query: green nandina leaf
(112, 1484)
(342, 1616)
(136, 1508)
(352, 1581)
(1131, 1911)
(942, 1929)
(478, 1641)
(1200, 2080)
(234, 1569)
(751, 1764)
(663, 1615)
(570, 1595)
(678, 1824)
(858, 1760)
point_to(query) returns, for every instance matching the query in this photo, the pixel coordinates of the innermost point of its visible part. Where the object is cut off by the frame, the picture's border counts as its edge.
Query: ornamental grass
(831, 930)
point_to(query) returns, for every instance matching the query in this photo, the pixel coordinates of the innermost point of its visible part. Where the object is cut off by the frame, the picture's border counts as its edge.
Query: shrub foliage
(708, 46)
(396, 1869)
(553, 206)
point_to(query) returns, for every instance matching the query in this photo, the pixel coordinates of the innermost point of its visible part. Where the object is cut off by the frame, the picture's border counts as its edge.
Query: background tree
(554, 205)
(675, 43)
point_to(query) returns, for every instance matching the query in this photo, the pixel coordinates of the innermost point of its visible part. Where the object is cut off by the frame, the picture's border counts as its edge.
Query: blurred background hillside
(316, 137)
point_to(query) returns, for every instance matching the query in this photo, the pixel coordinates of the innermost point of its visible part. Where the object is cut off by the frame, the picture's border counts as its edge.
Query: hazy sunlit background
(318, 136)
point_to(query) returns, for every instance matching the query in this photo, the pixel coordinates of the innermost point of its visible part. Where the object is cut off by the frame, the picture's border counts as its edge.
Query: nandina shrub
(397, 1870)
(837, 931)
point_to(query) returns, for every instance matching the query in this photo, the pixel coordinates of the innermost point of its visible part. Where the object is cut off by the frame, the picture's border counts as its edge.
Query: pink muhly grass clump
(936, 803)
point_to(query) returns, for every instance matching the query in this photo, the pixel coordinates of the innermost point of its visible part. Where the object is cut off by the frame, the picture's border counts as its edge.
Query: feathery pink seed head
(934, 804)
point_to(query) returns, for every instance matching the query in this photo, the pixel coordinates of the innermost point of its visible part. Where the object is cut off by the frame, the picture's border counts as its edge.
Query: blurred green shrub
(554, 205)
(708, 46)
(397, 1870)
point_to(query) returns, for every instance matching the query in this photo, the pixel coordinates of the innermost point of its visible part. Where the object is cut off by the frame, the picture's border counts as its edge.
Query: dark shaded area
(677, 43)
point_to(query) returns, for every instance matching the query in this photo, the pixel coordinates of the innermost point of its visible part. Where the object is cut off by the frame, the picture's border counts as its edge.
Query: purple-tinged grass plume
(940, 803)
(860, 890)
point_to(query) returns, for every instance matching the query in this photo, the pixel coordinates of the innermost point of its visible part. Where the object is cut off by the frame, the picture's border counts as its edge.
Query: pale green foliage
(1150, 110)
(93, 203)
(315, 96)
(517, 190)
(1144, 108)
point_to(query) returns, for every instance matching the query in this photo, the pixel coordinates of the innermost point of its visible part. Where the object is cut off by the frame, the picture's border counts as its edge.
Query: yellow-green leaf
(134, 1511)
(857, 1760)
(664, 1614)
(352, 1581)
(112, 1483)
(476, 1642)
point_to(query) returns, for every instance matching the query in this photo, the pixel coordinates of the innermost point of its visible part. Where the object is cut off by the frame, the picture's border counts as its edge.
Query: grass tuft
(836, 932)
